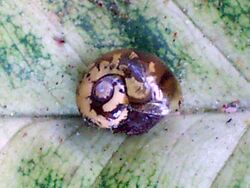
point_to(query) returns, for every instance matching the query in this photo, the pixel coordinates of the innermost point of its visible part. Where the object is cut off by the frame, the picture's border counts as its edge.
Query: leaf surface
(45, 47)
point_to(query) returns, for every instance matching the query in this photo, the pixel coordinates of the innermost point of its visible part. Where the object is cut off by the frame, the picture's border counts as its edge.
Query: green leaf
(45, 46)
(227, 25)
(236, 173)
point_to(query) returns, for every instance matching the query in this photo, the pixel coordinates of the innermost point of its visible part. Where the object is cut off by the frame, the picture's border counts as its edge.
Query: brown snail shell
(128, 91)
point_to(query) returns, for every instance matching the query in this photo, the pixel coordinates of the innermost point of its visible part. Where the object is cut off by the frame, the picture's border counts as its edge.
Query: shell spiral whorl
(127, 91)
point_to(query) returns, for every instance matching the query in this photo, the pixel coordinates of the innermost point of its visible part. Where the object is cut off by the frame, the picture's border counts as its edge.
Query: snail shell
(128, 91)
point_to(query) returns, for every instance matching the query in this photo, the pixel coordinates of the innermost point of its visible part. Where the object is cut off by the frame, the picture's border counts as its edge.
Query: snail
(128, 91)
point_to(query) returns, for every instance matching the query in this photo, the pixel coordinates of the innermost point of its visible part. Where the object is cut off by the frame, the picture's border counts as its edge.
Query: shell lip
(138, 123)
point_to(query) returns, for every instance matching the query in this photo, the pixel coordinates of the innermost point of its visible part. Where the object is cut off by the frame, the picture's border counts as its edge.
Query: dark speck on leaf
(229, 120)
(100, 3)
(179, 102)
(127, 2)
(114, 8)
(60, 40)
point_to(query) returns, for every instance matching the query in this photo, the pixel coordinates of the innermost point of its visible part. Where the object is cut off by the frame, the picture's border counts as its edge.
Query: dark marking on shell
(134, 68)
(112, 114)
(111, 67)
(121, 90)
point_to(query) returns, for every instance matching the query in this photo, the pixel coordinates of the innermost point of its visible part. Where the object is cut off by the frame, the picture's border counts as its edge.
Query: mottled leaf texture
(46, 45)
